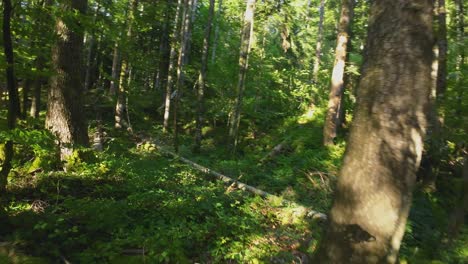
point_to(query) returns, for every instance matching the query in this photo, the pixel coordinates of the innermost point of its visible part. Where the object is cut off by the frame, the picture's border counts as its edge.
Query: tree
(65, 117)
(337, 84)
(185, 39)
(120, 106)
(202, 79)
(374, 189)
(13, 97)
(318, 46)
(246, 42)
(172, 65)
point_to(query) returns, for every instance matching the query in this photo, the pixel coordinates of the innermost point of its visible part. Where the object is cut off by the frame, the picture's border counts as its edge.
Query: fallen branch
(245, 187)
(275, 151)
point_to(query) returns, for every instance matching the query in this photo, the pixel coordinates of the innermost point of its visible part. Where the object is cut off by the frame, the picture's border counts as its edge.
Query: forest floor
(132, 204)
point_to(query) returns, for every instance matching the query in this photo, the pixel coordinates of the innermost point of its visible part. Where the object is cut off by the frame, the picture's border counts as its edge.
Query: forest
(234, 131)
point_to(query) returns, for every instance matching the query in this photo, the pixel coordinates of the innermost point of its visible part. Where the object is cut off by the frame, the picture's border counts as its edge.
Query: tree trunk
(337, 88)
(172, 65)
(13, 98)
(202, 79)
(461, 54)
(442, 45)
(26, 89)
(89, 55)
(164, 51)
(65, 117)
(216, 32)
(120, 106)
(246, 41)
(36, 99)
(374, 189)
(115, 70)
(318, 47)
(182, 60)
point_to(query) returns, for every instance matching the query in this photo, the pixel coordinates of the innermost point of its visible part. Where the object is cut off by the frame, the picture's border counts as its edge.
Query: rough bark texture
(374, 189)
(172, 66)
(337, 82)
(246, 41)
(65, 116)
(202, 79)
(318, 45)
(185, 39)
(13, 98)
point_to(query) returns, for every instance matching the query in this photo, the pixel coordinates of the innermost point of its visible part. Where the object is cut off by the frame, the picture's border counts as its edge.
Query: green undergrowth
(136, 205)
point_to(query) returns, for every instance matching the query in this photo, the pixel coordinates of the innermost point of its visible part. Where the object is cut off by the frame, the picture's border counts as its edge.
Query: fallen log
(245, 187)
(275, 151)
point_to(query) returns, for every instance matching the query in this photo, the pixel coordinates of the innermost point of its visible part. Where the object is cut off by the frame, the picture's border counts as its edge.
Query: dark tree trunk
(461, 54)
(13, 98)
(202, 79)
(246, 41)
(26, 102)
(337, 84)
(172, 65)
(318, 45)
(374, 189)
(65, 116)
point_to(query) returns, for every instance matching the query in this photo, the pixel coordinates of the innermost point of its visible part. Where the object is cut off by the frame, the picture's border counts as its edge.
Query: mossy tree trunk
(374, 189)
(65, 110)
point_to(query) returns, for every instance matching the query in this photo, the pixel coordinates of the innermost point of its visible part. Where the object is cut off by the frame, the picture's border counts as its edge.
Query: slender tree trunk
(337, 88)
(115, 70)
(318, 47)
(120, 108)
(36, 98)
(216, 32)
(164, 51)
(182, 60)
(13, 98)
(172, 64)
(246, 41)
(89, 55)
(461, 54)
(202, 79)
(65, 117)
(26, 89)
(442, 45)
(374, 189)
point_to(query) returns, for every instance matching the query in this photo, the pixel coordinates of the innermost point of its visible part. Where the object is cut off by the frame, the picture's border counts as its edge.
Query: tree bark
(120, 106)
(182, 60)
(461, 54)
(374, 189)
(202, 79)
(337, 84)
(13, 97)
(318, 46)
(65, 117)
(89, 54)
(246, 41)
(172, 64)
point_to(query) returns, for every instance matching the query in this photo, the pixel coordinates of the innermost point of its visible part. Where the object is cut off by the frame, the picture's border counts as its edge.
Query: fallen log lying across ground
(232, 182)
